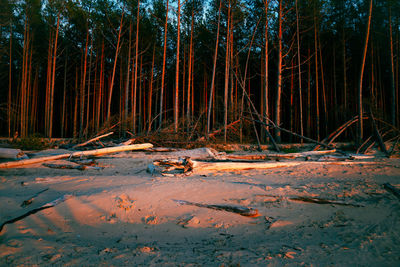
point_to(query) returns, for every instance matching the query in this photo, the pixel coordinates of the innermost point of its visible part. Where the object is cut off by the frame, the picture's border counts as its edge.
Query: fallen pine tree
(95, 152)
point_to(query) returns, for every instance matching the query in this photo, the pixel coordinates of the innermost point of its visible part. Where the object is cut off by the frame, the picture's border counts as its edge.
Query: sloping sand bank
(122, 215)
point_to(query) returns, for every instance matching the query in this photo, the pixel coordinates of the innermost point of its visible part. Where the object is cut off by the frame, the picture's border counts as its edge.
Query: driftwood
(390, 188)
(322, 201)
(171, 167)
(30, 200)
(11, 153)
(244, 211)
(45, 206)
(279, 156)
(346, 157)
(80, 167)
(96, 152)
(93, 139)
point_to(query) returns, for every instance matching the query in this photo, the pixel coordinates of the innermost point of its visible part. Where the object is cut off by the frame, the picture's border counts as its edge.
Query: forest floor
(123, 215)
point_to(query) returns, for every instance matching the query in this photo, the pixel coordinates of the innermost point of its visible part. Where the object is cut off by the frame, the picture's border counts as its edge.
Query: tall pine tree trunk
(360, 87)
(176, 102)
(210, 102)
(163, 67)
(279, 83)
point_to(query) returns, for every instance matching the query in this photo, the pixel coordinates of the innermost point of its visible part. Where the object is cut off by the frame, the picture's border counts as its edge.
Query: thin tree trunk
(360, 108)
(176, 102)
(265, 114)
(189, 73)
(210, 103)
(127, 80)
(299, 69)
(64, 96)
(227, 71)
(83, 84)
(323, 87)
(344, 74)
(163, 67)
(279, 83)
(9, 110)
(393, 87)
(151, 90)
(115, 65)
(316, 75)
(53, 78)
(136, 67)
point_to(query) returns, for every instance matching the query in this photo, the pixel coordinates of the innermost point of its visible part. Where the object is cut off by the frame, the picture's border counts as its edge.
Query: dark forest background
(74, 68)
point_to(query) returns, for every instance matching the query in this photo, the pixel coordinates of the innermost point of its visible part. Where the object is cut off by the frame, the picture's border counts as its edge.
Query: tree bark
(279, 83)
(115, 65)
(163, 67)
(176, 102)
(213, 74)
(360, 87)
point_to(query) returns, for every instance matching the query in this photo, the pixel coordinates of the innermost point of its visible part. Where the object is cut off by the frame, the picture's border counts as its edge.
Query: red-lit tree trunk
(299, 72)
(279, 82)
(176, 102)
(163, 67)
(360, 87)
(53, 78)
(210, 103)
(136, 67)
(114, 68)
(227, 70)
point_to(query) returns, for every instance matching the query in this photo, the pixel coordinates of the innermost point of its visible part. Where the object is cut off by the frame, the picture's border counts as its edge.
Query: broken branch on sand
(95, 152)
(244, 211)
(30, 200)
(45, 206)
(322, 201)
(80, 167)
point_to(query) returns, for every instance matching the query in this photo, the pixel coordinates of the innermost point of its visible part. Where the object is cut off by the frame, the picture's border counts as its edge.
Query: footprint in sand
(150, 219)
(125, 202)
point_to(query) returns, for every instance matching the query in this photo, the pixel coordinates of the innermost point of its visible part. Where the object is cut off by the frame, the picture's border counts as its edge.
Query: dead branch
(214, 133)
(244, 211)
(95, 152)
(45, 206)
(30, 200)
(338, 131)
(294, 134)
(93, 139)
(71, 167)
(322, 201)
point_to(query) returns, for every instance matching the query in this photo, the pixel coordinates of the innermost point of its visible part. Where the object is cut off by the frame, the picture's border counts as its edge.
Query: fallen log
(237, 166)
(279, 156)
(95, 152)
(93, 139)
(45, 206)
(11, 153)
(244, 211)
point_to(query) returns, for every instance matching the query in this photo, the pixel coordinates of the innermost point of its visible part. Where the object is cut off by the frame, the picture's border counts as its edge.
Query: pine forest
(266, 70)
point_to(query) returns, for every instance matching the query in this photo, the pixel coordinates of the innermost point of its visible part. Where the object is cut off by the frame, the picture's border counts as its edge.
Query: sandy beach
(122, 215)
